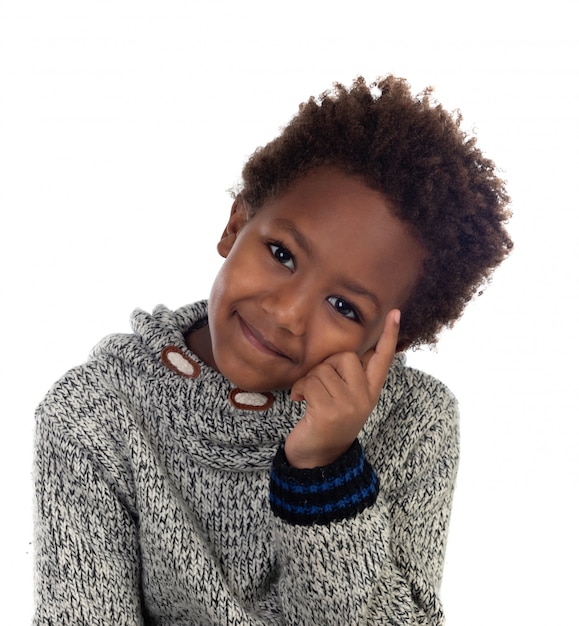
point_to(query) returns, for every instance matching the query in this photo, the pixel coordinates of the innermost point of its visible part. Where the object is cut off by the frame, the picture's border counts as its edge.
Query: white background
(123, 124)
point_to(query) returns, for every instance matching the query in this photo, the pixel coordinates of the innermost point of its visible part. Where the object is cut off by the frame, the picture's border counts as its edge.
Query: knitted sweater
(157, 501)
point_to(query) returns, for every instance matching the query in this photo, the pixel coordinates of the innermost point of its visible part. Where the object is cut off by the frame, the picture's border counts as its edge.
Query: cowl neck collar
(216, 423)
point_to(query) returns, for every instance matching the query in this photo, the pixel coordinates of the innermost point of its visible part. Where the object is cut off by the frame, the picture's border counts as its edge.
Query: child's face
(314, 272)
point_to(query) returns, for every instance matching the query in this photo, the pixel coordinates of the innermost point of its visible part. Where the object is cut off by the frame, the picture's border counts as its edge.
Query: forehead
(348, 228)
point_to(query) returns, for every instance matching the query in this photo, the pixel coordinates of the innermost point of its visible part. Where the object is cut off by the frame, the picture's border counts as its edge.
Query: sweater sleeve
(323, 494)
(383, 564)
(86, 548)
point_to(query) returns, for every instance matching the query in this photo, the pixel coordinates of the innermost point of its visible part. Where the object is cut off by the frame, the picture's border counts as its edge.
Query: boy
(265, 458)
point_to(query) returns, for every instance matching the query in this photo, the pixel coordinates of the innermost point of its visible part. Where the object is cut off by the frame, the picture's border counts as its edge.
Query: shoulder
(102, 373)
(86, 426)
(411, 390)
(109, 395)
(90, 408)
(120, 366)
(415, 412)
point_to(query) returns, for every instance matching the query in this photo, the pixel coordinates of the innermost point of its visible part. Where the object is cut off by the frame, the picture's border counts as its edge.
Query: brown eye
(283, 255)
(343, 307)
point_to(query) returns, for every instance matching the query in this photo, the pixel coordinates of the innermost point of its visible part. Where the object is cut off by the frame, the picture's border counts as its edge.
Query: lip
(257, 340)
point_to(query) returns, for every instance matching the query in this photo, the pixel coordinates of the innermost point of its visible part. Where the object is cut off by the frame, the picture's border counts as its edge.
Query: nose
(289, 307)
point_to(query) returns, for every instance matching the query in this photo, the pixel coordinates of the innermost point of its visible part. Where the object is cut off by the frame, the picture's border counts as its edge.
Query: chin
(257, 386)
(246, 381)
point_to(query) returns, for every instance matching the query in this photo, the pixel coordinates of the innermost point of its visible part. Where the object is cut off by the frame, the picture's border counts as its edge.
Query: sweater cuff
(323, 494)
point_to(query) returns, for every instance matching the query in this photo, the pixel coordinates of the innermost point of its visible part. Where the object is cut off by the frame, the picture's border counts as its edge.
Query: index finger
(379, 362)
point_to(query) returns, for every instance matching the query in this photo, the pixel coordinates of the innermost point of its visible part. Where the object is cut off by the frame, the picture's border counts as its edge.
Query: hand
(340, 394)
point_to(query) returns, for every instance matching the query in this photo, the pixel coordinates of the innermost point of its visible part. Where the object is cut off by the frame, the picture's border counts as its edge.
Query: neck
(199, 342)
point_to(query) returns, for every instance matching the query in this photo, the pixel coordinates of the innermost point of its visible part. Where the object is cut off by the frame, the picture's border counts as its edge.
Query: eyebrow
(362, 291)
(299, 238)
(304, 243)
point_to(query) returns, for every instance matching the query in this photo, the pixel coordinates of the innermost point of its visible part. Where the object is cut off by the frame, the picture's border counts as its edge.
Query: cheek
(328, 339)
(228, 278)
(217, 290)
(371, 338)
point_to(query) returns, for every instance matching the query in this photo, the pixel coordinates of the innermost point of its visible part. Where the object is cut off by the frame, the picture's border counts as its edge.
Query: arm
(87, 567)
(381, 565)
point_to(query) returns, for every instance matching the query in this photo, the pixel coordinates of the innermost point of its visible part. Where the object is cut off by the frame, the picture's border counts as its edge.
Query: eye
(343, 307)
(283, 255)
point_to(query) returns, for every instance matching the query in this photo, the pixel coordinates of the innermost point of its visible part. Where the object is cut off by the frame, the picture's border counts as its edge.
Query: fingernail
(396, 316)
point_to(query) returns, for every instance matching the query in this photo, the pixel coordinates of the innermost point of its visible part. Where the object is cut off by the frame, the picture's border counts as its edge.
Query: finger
(305, 387)
(366, 358)
(346, 364)
(323, 381)
(380, 360)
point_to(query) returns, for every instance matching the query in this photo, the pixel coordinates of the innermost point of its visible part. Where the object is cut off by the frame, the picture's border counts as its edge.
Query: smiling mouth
(258, 341)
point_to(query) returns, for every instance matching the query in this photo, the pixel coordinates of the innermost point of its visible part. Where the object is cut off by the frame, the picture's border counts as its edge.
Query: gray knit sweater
(153, 500)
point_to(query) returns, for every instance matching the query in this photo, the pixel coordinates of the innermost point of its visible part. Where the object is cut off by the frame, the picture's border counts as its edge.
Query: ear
(237, 219)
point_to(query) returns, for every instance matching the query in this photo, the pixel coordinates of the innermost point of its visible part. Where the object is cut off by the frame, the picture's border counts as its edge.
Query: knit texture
(153, 497)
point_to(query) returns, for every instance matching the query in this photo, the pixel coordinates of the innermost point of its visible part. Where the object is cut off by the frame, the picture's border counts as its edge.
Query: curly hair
(416, 155)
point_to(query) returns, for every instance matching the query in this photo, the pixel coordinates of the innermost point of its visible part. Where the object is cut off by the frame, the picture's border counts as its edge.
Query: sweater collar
(218, 423)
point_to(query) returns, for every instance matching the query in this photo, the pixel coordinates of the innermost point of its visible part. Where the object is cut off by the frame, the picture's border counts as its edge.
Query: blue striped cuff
(323, 494)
